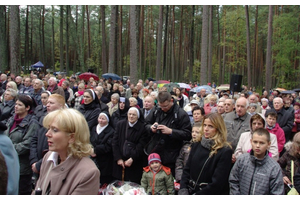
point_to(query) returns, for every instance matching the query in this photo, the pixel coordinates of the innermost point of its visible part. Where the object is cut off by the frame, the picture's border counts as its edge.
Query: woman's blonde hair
(13, 85)
(295, 148)
(220, 138)
(72, 121)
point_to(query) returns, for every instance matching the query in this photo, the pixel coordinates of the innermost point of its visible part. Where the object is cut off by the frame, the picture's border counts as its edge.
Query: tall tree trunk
(112, 40)
(255, 50)
(159, 43)
(26, 40)
(141, 40)
(204, 45)
(191, 66)
(269, 50)
(219, 48)
(165, 43)
(53, 39)
(172, 45)
(103, 48)
(14, 30)
(120, 52)
(67, 39)
(248, 47)
(89, 31)
(44, 60)
(210, 43)
(3, 40)
(133, 45)
(81, 55)
(61, 38)
(224, 47)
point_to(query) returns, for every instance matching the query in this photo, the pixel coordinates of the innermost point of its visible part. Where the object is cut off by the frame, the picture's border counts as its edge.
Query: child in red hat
(157, 179)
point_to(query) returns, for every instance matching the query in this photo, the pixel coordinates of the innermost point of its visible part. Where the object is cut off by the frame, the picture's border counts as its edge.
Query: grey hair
(280, 99)
(41, 82)
(13, 92)
(115, 96)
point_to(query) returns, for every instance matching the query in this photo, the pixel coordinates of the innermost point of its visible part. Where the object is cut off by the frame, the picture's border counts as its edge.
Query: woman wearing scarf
(129, 140)
(101, 138)
(208, 166)
(20, 129)
(79, 96)
(90, 107)
(121, 113)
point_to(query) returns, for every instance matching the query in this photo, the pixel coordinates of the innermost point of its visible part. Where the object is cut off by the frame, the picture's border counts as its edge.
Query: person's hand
(164, 129)
(92, 153)
(121, 163)
(233, 159)
(34, 168)
(286, 180)
(154, 127)
(128, 162)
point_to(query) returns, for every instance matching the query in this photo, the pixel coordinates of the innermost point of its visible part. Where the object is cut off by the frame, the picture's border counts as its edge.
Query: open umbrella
(223, 87)
(297, 89)
(170, 86)
(161, 83)
(112, 76)
(206, 87)
(184, 85)
(280, 89)
(87, 75)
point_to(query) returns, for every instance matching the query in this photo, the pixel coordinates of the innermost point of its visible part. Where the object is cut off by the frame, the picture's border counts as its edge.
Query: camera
(155, 126)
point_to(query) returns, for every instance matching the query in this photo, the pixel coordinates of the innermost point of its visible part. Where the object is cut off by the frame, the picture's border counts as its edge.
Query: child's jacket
(160, 183)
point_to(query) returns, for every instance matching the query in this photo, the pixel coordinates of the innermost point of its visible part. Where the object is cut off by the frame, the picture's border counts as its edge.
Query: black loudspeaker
(91, 70)
(235, 83)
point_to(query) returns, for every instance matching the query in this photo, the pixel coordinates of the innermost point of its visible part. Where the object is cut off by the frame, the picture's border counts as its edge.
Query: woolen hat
(153, 157)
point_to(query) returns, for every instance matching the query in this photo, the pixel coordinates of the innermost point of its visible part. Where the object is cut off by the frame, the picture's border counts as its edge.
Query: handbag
(293, 190)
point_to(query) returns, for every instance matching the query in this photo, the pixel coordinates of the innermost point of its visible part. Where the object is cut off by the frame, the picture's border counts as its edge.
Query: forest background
(181, 43)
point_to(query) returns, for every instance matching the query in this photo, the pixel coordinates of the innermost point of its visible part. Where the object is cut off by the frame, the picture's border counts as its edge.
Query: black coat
(119, 114)
(215, 172)
(137, 135)
(90, 113)
(40, 111)
(103, 149)
(168, 146)
(103, 107)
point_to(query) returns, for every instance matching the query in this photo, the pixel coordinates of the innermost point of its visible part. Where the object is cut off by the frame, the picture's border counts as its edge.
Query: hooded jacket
(159, 183)
(244, 144)
(279, 135)
(251, 176)
(119, 114)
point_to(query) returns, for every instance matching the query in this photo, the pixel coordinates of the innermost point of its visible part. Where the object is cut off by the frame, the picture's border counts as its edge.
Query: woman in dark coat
(7, 107)
(129, 140)
(90, 107)
(101, 138)
(121, 113)
(41, 110)
(208, 166)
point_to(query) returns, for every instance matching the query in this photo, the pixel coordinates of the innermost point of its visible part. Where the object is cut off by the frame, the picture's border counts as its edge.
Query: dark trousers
(25, 184)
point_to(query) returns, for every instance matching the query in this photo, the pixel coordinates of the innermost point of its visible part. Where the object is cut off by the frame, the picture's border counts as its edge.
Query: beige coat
(71, 177)
(244, 145)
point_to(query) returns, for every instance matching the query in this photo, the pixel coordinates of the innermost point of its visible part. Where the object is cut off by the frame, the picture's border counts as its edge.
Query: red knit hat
(153, 157)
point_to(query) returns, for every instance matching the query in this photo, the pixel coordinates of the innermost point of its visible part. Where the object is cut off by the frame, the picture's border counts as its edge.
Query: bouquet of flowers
(124, 188)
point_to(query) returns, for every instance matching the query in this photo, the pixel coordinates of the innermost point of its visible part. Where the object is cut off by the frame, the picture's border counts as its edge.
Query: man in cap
(188, 108)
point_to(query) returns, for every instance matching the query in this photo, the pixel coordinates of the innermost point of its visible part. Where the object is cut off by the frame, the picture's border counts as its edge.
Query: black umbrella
(151, 79)
(297, 90)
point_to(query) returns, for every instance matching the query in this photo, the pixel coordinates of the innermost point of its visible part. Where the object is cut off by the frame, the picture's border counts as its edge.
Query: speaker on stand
(235, 83)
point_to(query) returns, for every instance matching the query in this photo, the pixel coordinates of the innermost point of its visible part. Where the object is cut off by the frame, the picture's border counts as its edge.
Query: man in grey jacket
(256, 173)
(237, 122)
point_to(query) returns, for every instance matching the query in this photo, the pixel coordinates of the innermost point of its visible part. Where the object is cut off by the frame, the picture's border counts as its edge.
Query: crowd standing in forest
(72, 136)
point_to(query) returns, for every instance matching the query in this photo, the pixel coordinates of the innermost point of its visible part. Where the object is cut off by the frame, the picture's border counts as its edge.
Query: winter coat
(103, 106)
(296, 126)
(91, 113)
(119, 114)
(208, 108)
(297, 180)
(285, 164)
(285, 120)
(168, 146)
(37, 96)
(136, 135)
(112, 108)
(12, 162)
(214, 176)
(40, 111)
(7, 110)
(236, 126)
(39, 145)
(26, 90)
(263, 110)
(251, 176)
(279, 135)
(74, 176)
(244, 145)
(21, 137)
(102, 145)
(181, 160)
(159, 183)
(57, 90)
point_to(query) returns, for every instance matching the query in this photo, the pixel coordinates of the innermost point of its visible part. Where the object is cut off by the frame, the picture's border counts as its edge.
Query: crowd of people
(63, 135)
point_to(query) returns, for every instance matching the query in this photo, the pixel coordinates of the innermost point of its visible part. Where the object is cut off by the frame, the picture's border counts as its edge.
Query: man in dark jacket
(285, 118)
(168, 127)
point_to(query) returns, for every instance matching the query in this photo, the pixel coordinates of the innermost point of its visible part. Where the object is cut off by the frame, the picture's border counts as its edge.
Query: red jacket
(297, 121)
(280, 136)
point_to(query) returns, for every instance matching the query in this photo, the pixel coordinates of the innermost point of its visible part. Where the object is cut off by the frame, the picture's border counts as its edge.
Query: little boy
(256, 173)
(157, 179)
(252, 108)
(274, 128)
